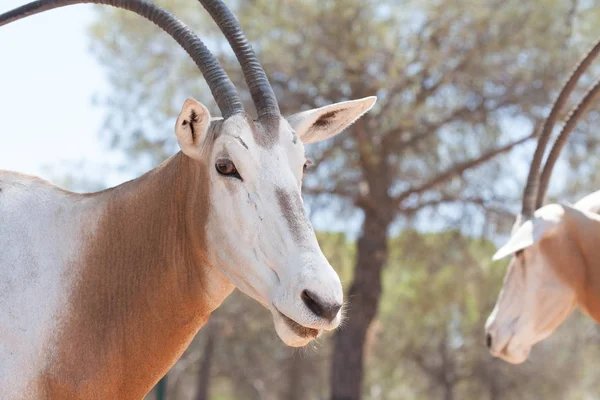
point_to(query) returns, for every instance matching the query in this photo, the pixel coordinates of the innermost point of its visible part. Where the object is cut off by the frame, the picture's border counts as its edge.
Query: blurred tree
(426, 342)
(458, 85)
(207, 359)
(447, 296)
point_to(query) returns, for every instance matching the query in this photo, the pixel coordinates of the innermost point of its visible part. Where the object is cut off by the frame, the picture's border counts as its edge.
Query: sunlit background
(89, 96)
(51, 122)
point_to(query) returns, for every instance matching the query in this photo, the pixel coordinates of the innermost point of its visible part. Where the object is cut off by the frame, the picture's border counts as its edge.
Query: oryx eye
(518, 253)
(226, 167)
(307, 165)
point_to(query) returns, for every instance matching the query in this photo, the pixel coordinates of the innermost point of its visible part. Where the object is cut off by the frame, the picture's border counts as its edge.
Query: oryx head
(258, 233)
(541, 284)
(255, 230)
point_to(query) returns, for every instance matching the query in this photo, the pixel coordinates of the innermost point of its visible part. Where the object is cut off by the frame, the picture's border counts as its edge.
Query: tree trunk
(347, 362)
(448, 392)
(296, 388)
(160, 389)
(206, 363)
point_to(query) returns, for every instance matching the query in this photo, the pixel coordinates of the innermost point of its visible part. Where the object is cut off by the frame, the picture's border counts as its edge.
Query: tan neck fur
(142, 289)
(575, 253)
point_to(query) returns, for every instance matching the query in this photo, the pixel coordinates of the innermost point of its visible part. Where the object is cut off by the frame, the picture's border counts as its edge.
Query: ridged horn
(531, 188)
(574, 115)
(260, 89)
(220, 85)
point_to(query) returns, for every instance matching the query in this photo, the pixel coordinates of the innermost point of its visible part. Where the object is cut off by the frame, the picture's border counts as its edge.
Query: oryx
(555, 250)
(100, 293)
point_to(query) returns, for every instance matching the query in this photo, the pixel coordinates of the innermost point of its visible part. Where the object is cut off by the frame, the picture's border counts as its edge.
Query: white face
(263, 239)
(533, 302)
(257, 231)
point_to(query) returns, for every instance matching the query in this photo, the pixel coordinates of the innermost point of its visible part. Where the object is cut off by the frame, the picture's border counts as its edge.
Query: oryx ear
(590, 203)
(532, 231)
(322, 123)
(191, 127)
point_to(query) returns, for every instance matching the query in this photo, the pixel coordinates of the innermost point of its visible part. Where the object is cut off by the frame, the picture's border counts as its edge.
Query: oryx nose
(488, 340)
(320, 308)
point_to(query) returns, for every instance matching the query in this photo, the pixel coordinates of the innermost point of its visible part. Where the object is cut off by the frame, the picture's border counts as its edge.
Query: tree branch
(459, 169)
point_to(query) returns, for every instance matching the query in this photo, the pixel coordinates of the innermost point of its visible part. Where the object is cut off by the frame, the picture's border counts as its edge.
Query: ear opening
(325, 122)
(191, 127)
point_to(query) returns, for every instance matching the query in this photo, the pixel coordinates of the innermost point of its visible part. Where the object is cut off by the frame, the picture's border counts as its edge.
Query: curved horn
(219, 83)
(262, 94)
(531, 188)
(574, 115)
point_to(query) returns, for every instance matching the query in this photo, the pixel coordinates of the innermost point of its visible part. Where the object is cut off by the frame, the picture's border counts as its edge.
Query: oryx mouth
(504, 350)
(300, 330)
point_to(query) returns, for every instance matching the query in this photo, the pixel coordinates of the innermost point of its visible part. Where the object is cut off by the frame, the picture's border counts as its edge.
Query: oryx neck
(583, 265)
(143, 288)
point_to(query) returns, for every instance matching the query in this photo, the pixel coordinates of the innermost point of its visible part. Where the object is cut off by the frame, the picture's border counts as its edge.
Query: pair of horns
(221, 87)
(537, 185)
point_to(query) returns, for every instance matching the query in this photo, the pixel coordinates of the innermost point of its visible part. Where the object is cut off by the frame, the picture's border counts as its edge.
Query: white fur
(590, 203)
(303, 121)
(249, 230)
(40, 234)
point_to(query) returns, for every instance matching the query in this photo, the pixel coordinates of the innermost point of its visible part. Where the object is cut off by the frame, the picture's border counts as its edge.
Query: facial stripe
(265, 131)
(291, 207)
(242, 142)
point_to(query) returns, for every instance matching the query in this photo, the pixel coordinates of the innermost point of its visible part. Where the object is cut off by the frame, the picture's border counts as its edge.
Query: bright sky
(48, 78)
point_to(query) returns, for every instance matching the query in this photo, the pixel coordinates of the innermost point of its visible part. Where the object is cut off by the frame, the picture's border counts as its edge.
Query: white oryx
(556, 249)
(101, 293)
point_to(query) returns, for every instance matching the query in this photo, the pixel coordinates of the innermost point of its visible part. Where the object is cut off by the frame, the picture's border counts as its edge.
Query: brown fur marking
(584, 231)
(265, 131)
(141, 292)
(326, 123)
(575, 257)
(326, 119)
(292, 209)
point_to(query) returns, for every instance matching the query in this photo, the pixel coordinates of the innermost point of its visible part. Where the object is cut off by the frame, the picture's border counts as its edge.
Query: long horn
(531, 188)
(262, 94)
(574, 115)
(219, 83)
